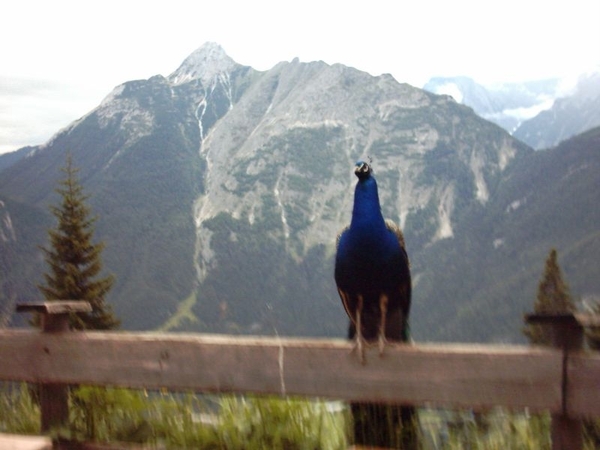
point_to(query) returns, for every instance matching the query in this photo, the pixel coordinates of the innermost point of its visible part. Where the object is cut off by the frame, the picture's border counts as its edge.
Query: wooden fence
(564, 381)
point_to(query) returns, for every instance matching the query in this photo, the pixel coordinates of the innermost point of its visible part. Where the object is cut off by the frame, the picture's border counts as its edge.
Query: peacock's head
(362, 170)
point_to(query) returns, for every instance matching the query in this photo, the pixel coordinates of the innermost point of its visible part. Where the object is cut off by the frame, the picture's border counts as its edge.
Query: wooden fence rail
(478, 377)
(472, 376)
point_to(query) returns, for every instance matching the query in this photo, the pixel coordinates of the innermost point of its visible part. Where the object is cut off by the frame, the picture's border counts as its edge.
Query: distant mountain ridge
(220, 191)
(568, 116)
(539, 113)
(506, 104)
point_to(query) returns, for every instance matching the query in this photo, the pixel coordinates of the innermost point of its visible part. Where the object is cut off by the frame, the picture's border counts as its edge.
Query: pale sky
(60, 58)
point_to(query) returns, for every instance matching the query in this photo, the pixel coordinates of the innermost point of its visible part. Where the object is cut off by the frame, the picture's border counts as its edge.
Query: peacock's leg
(360, 341)
(383, 303)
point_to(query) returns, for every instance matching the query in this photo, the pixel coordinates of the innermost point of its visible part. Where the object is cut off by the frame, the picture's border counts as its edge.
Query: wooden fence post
(54, 397)
(567, 334)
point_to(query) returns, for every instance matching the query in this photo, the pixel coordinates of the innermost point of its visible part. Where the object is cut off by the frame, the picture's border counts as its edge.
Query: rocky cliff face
(295, 134)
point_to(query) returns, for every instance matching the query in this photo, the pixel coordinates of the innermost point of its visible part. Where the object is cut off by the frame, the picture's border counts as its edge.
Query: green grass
(18, 412)
(227, 422)
(183, 421)
(497, 429)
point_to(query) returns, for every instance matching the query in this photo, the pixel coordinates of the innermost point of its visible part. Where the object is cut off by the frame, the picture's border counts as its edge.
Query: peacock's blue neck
(366, 214)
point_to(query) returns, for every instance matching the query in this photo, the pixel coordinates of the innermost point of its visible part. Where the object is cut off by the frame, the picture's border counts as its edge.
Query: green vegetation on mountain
(545, 200)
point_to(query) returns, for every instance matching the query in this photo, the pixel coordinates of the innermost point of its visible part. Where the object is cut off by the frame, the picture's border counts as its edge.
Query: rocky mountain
(568, 116)
(220, 191)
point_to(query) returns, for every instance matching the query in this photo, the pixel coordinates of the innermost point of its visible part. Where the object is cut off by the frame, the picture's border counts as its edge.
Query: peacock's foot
(359, 348)
(382, 342)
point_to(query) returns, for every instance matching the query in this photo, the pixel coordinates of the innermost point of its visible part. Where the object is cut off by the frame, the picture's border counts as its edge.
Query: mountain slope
(548, 200)
(220, 191)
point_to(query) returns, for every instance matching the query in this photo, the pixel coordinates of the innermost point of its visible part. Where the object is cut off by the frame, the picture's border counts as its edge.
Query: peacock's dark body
(372, 274)
(372, 269)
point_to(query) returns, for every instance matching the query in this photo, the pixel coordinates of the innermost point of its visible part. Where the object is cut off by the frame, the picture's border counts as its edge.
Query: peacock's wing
(391, 225)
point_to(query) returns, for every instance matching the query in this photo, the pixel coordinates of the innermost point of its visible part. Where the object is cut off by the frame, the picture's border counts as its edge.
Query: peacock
(372, 271)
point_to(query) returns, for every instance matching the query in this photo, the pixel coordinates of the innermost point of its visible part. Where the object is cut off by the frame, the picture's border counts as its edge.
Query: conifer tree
(553, 297)
(74, 260)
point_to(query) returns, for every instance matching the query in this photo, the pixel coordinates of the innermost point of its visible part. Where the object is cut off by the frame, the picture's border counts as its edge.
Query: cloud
(33, 110)
(450, 89)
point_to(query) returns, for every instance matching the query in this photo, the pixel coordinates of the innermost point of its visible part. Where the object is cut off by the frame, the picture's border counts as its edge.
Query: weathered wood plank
(460, 376)
(583, 389)
(452, 375)
(55, 307)
(19, 442)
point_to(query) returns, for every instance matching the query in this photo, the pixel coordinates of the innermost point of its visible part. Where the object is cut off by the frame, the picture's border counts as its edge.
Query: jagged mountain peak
(204, 63)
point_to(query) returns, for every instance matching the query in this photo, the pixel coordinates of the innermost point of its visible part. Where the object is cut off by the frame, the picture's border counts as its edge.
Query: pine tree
(553, 297)
(74, 261)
